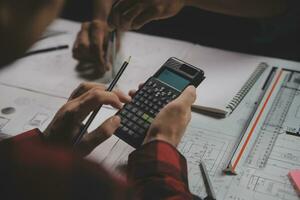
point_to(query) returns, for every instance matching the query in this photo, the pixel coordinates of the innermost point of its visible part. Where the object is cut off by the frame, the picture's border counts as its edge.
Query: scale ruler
(272, 126)
(275, 114)
(258, 139)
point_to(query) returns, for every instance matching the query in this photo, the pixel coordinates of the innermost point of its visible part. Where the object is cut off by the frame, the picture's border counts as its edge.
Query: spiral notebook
(223, 97)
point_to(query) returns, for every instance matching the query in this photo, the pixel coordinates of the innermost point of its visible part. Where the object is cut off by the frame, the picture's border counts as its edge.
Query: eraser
(294, 176)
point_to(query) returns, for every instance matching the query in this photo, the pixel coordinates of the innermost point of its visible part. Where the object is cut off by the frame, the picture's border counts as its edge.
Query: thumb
(102, 133)
(188, 96)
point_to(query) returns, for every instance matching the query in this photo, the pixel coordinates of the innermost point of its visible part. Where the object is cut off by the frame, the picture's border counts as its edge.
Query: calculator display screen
(173, 79)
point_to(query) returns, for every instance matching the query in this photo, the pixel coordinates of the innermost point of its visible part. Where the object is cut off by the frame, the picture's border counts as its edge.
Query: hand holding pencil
(67, 128)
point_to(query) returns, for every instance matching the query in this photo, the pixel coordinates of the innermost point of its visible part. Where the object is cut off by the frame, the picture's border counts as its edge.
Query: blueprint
(253, 181)
(29, 110)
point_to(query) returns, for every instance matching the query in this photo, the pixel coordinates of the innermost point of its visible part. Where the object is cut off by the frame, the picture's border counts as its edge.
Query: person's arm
(31, 169)
(157, 170)
(102, 9)
(131, 14)
(91, 42)
(242, 8)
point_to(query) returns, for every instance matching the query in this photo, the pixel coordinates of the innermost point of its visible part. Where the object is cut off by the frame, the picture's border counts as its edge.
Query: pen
(61, 47)
(208, 186)
(93, 115)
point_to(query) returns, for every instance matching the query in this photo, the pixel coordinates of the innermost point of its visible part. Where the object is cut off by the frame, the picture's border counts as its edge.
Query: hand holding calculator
(159, 90)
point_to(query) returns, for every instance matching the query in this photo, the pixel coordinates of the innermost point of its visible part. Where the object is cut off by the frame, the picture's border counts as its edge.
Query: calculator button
(125, 129)
(129, 115)
(145, 116)
(135, 118)
(134, 110)
(143, 106)
(139, 113)
(140, 122)
(124, 121)
(150, 120)
(137, 96)
(129, 124)
(123, 112)
(136, 136)
(141, 131)
(135, 128)
(150, 98)
(168, 101)
(130, 132)
(152, 112)
(129, 106)
(146, 125)
(137, 103)
(142, 99)
(150, 91)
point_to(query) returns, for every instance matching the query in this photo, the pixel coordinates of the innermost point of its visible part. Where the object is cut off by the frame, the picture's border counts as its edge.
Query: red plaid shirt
(32, 169)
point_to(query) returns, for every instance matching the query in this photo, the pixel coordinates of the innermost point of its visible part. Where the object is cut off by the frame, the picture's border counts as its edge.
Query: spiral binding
(236, 100)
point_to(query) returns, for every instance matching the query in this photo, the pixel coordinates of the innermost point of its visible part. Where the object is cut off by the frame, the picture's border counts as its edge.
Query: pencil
(93, 115)
(207, 183)
(46, 50)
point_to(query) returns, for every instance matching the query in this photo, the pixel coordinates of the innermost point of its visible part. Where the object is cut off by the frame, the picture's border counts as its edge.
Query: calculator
(159, 90)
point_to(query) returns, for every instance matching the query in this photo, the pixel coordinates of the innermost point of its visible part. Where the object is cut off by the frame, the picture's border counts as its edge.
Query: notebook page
(225, 71)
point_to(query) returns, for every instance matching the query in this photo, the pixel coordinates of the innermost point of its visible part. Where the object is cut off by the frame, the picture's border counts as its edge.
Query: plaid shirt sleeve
(159, 171)
(32, 169)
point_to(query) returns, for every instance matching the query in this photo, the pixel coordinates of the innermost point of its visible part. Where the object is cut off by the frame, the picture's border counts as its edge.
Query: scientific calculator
(159, 90)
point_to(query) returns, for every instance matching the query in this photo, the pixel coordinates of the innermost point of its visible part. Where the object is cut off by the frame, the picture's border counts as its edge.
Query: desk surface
(41, 84)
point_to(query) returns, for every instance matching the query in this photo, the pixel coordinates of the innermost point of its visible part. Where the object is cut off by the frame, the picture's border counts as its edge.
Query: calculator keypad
(137, 116)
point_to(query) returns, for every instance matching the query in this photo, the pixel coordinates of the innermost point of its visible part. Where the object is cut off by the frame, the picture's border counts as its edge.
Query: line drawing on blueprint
(36, 121)
(210, 146)
(270, 187)
(3, 122)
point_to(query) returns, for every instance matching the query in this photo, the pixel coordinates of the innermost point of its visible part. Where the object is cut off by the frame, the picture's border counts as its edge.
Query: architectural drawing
(3, 122)
(36, 121)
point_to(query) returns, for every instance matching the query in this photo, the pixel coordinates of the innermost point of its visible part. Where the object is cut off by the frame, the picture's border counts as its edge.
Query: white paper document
(28, 110)
(55, 72)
